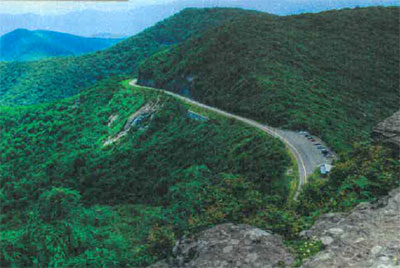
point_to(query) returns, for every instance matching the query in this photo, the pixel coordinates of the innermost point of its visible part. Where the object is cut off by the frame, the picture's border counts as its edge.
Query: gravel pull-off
(307, 155)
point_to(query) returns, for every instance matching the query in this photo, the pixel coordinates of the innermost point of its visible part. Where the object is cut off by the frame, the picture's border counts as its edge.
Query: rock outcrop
(134, 120)
(230, 246)
(369, 236)
(388, 131)
(366, 237)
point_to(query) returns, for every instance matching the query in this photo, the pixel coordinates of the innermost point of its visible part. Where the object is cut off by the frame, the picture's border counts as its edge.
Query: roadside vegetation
(26, 83)
(334, 73)
(67, 200)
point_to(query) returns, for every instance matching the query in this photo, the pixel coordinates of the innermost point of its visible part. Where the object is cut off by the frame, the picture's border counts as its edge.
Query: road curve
(269, 130)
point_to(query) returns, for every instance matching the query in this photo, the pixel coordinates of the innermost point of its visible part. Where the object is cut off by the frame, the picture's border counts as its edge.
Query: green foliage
(160, 241)
(69, 201)
(332, 73)
(57, 203)
(305, 249)
(81, 237)
(364, 174)
(51, 79)
(25, 45)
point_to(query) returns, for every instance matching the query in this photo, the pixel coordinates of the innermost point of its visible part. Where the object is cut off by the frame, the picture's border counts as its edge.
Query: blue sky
(52, 7)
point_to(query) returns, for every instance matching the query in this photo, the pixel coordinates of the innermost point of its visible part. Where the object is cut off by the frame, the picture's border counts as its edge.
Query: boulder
(388, 131)
(368, 236)
(229, 245)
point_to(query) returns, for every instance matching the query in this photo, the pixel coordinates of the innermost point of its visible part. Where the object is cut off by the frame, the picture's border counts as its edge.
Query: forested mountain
(132, 20)
(333, 73)
(51, 79)
(97, 173)
(70, 200)
(25, 45)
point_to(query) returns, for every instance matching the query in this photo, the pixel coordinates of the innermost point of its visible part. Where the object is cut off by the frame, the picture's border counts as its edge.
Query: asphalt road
(308, 157)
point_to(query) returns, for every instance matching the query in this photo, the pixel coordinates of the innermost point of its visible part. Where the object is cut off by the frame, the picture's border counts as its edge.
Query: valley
(215, 148)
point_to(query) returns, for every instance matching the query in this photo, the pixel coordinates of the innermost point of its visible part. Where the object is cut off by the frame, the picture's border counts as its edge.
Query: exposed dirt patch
(112, 119)
(134, 119)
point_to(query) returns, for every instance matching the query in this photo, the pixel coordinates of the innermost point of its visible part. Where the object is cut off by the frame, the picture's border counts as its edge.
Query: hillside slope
(333, 73)
(69, 200)
(25, 45)
(51, 79)
(132, 21)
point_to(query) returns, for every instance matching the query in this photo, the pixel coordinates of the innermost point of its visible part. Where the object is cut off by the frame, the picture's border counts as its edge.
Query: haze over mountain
(33, 82)
(247, 62)
(25, 45)
(131, 21)
(97, 171)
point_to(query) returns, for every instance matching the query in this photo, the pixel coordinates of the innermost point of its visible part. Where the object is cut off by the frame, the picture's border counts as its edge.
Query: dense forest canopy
(333, 73)
(52, 79)
(97, 173)
(57, 176)
(68, 200)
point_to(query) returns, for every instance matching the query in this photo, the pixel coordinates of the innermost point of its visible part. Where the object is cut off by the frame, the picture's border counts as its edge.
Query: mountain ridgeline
(96, 172)
(25, 45)
(69, 200)
(334, 73)
(51, 79)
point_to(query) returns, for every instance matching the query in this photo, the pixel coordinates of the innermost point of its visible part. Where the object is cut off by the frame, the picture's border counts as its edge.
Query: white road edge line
(250, 122)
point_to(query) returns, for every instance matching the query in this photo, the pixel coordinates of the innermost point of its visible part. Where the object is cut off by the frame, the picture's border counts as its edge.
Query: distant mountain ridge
(132, 21)
(25, 83)
(25, 45)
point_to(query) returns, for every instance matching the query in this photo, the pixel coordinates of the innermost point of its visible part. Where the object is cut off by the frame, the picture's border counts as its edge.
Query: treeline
(69, 201)
(334, 73)
(52, 79)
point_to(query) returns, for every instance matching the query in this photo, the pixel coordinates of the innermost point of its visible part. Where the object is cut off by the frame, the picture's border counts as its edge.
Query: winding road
(307, 156)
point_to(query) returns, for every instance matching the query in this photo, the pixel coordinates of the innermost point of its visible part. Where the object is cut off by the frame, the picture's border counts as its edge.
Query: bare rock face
(369, 236)
(366, 237)
(230, 246)
(388, 131)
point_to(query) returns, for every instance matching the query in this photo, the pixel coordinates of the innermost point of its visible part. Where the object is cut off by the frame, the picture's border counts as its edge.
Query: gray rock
(230, 246)
(388, 131)
(326, 240)
(367, 237)
(335, 231)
